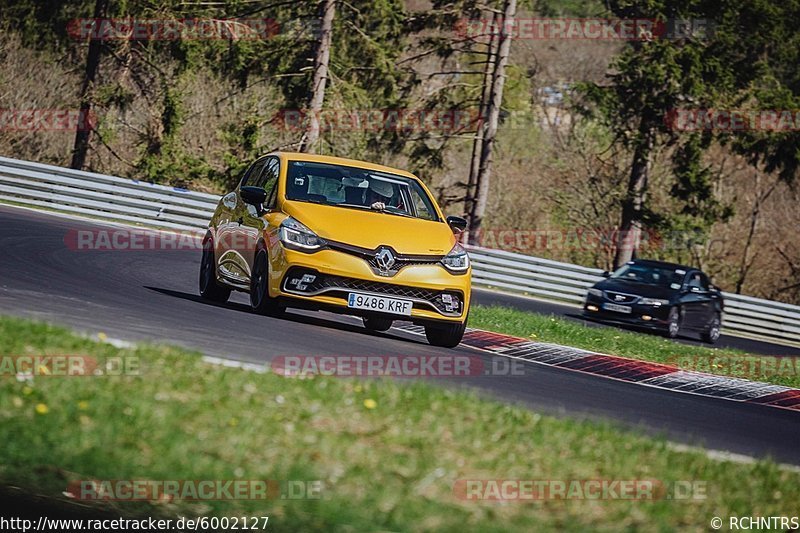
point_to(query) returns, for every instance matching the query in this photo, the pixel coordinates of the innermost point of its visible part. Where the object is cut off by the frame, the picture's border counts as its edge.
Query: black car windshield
(662, 276)
(358, 188)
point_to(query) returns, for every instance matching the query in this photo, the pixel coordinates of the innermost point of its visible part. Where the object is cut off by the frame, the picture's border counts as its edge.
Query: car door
(254, 223)
(230, 239)
(695, 300)
(710, 301)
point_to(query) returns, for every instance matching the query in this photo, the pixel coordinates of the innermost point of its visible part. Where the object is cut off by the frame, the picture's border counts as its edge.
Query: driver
(379, 194)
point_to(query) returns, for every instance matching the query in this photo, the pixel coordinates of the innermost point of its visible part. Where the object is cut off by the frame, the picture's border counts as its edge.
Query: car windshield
(357, 188)
(662, 276)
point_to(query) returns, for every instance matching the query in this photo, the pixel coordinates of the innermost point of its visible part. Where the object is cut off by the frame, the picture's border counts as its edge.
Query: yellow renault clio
(341, 235)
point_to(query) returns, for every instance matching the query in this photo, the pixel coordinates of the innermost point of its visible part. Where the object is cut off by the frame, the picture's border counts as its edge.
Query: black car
(659, 296)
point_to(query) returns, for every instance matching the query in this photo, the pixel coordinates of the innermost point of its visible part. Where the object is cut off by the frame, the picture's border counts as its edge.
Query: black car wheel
(674, 323)
(260, 300)
(209, 288)
(446, 336)
(711, 334)
(375, 323)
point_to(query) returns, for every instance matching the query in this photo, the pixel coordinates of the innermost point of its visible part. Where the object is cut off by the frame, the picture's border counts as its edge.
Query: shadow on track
(289, 315)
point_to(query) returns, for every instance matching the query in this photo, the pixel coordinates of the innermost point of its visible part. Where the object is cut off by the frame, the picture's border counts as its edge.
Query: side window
(269, 180)
(704, 282)
(252, 173)
(696, 282)
(424, 209)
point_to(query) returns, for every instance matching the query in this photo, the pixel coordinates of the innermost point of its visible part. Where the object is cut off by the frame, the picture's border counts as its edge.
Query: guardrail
(114, 198)
(102, 196)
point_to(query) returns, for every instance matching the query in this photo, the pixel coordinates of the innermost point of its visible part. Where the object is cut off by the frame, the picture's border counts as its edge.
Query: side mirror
(457, 224)
(254, 196)
(606, 274)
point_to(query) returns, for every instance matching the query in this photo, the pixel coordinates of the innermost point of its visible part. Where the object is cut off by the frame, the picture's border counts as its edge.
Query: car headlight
(457, 260)
(595, 292)
(296, 235)
(653, 301)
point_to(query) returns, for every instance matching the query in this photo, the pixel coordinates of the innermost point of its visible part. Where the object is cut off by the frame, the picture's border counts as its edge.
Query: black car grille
(340, 286)
(403, 262)
(620, 298)
(369, 255)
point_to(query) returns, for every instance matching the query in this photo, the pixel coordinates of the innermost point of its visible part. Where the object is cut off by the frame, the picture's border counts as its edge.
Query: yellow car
(334, 234)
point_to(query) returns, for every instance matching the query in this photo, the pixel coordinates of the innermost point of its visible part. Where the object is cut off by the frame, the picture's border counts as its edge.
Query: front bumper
(432, 289)
(641, 316)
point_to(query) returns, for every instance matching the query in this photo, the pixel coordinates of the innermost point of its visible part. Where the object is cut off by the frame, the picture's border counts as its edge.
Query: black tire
(260, 300)
(210, 289)
(674, 326)
(711, 333)
(446, 336)
(375, 323)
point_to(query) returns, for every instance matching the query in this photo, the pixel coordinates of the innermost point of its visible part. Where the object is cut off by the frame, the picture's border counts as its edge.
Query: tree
(470, 196)
(493, 105)
(322, 56)
(83, 133)
(651, 78)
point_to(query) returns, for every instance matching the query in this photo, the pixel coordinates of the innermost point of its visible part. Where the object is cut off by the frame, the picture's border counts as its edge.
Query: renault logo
(385, 259)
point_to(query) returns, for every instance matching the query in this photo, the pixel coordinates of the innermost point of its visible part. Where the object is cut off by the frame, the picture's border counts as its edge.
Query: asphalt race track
(152, 295)
(752, 346)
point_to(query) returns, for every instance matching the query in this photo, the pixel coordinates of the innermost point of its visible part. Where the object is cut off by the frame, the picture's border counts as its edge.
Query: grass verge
(647, 347)
(387, 453)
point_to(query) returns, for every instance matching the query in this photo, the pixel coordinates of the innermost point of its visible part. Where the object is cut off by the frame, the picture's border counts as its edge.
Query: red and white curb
(656, 375)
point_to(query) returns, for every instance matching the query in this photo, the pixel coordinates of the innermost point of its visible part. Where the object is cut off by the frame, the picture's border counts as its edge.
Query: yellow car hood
(370, 229)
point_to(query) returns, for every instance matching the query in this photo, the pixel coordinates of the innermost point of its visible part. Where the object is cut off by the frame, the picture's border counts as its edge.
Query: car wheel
(260, 300)
(375, 323)
(209, 287)
(674, 323)
(711, 334)
(446, 336)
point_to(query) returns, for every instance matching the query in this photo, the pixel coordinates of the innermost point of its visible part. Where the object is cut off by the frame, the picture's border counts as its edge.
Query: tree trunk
(747, 261)
(477, 143)
(321, 59)
(630, 228)
(492, 121)
(83, 133)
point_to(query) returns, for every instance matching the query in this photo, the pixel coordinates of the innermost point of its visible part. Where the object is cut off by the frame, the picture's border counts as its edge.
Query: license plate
(381, 304)
(617, 308)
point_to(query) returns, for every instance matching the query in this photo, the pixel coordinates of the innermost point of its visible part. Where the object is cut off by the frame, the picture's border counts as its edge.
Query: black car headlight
(297, 236)
(457, 261)
(595, 292)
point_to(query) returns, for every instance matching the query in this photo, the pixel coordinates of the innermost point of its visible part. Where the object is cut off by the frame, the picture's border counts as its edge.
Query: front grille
(401, 260)
(620, 298)
(340, 286)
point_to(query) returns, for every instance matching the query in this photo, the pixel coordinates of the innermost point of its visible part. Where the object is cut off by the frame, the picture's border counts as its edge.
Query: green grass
(390, 467)
(647, 347)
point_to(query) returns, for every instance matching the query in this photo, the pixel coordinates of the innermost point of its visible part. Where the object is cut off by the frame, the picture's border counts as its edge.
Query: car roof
(663, 264)
(298, 156)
